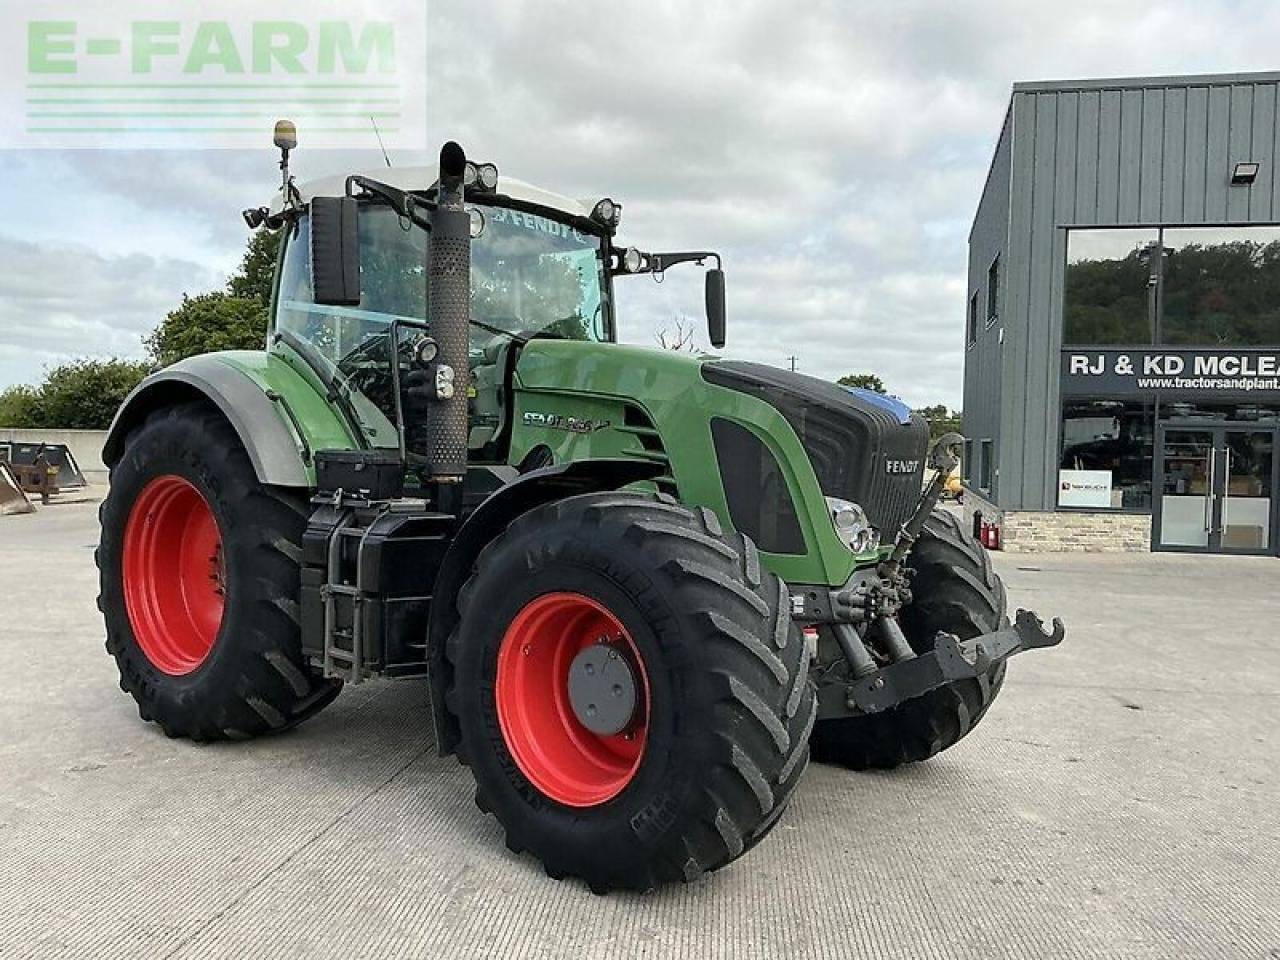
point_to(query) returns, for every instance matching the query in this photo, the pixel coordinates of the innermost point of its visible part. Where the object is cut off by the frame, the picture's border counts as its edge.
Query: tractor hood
(870, 450)
(866, 448)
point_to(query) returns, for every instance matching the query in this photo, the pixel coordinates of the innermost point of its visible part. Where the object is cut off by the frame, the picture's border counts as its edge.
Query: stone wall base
(1063, 531)
(1072, 531)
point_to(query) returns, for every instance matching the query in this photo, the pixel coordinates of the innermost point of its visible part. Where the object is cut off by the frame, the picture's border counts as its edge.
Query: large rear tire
(954, 590)
(701, 637)
(199, 568)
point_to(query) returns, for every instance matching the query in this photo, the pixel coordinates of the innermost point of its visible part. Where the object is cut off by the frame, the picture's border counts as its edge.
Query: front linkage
(884, 671)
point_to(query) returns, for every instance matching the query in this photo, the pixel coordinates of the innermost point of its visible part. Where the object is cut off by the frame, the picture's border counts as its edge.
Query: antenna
(377, 133)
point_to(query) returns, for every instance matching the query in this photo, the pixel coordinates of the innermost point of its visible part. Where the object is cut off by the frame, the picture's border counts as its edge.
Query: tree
(208, 322)
(681, 340)
(19, 406)
(867, 381)
(940, 419)
(85, 394)
(257, 267)
(234, 319)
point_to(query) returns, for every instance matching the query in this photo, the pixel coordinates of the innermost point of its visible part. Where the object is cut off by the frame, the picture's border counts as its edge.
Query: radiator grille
(860, 451)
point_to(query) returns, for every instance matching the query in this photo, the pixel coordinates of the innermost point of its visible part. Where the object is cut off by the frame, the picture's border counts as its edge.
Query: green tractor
(642, 586)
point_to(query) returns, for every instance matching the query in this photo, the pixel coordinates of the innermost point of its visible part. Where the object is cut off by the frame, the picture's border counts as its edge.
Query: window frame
(986, 465)
(971, 321)
(1156, 322)
(1154, 403)
(993, 292)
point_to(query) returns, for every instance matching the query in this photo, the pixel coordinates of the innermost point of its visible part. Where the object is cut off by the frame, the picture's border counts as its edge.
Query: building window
(971, 330)
(993, 292)
(1177, 286)
(986, 466)
(1220, 286)
(1108, 297)
(966, 466)
(1106, 454)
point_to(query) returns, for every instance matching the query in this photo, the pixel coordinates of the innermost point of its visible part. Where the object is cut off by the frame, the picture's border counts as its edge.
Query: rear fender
(487, 521)
(273, 435)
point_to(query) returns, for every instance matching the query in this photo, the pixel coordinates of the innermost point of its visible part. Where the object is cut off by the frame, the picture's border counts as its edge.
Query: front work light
(607, 213)
(480, 176)
(632, 260)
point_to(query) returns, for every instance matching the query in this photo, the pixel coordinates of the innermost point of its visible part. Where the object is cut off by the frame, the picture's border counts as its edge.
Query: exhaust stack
(449, 315)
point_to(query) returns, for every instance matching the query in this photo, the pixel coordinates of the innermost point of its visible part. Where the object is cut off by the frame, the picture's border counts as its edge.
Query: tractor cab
(542, 268)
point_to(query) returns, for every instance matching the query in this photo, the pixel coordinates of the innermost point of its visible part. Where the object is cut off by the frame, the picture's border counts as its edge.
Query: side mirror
(335, 251)
(715, 307)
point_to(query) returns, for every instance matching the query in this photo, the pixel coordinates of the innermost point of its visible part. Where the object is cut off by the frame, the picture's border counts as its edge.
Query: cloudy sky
(833, 151)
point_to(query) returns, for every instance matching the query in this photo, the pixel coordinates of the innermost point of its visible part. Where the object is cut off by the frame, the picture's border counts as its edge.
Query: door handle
(1226, 484)
(1208, 492)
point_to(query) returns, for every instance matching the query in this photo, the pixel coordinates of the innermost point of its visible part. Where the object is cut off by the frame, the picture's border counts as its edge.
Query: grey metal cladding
(1095, 153)
(987, 239)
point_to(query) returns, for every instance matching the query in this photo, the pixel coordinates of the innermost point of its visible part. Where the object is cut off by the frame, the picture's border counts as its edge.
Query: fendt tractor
(642, 586)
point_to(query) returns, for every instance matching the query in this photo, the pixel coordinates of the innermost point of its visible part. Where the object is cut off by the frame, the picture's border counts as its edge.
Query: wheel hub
(174, 572)
(602, 690)
(572, 699)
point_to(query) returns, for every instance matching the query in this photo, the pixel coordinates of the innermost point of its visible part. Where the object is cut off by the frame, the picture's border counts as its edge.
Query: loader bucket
(12, 499)
(56, 455)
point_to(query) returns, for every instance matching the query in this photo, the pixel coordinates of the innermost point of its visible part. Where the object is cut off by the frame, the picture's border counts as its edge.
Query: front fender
(278, 416)
(487, 521)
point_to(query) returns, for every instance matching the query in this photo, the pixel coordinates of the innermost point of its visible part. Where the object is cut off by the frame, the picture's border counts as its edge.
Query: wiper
(519, 338)
(401, 201)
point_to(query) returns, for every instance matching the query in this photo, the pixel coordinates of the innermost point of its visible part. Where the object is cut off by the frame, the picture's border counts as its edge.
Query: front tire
(955, 590)
(703, 766)
(199, 568)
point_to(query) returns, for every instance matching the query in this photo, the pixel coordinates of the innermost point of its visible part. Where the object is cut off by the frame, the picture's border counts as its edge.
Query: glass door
(1216, 489)
(1246, 461)
(1185, 479)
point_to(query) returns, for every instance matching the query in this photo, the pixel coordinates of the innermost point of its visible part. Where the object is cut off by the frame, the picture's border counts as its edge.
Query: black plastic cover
(859, 450)
(372, 474)
(755, 489)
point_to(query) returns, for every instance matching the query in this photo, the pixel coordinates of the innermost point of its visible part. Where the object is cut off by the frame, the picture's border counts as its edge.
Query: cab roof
(422, 178)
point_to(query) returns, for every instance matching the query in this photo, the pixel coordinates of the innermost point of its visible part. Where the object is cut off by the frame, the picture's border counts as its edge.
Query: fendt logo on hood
(900, 468)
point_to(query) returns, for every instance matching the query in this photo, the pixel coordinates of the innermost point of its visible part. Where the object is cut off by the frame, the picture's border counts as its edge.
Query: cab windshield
(530, 275)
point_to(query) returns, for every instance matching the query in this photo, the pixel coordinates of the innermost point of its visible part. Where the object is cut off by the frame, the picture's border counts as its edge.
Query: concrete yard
(1122, 799)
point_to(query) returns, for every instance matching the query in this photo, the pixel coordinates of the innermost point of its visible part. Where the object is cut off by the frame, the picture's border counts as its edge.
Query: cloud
(70, 301)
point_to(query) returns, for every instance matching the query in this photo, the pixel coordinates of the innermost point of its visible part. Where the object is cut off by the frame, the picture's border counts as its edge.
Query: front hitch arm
(944, 458)
(951, 659)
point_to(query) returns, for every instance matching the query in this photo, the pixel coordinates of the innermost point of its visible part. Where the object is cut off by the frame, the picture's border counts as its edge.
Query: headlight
(632, 260)
(852, 525)
(487, 175)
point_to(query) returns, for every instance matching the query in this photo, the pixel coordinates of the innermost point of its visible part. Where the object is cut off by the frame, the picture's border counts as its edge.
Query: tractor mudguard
(490, 518)
(277, 449)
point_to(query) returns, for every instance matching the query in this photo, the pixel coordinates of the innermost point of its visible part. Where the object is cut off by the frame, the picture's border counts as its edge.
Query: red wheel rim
(560, 756)
(174, 575)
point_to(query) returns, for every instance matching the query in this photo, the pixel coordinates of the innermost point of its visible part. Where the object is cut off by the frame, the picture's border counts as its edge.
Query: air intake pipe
(449, 316)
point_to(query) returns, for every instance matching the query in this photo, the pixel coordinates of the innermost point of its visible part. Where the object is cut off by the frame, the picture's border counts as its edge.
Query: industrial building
(1122, 329)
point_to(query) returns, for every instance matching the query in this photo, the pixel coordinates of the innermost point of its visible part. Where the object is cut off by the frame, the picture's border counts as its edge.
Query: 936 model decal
(556, 421)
